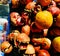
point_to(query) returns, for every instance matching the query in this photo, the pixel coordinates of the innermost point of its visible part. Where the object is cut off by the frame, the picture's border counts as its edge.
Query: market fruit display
(34, 28)
(44, 19)
(56, 43)
(6, 47)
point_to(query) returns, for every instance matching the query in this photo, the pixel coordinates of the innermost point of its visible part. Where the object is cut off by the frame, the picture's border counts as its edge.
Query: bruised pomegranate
(22, 41)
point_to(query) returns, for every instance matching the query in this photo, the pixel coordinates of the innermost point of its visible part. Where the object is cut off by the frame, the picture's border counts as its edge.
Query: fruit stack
(34, 28)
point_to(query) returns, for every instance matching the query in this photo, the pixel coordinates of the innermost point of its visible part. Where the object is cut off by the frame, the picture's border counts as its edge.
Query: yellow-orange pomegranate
(56, 43)
(44, 20)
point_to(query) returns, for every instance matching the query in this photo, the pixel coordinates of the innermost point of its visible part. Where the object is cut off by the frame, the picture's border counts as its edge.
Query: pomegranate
(55, 31)
(15, 17)
(44, 19)
(6, 47)
(34, 28)
(28, 1)
(30, 51)
(53, 3)
(54, 10)
(56, 43)
(45, 42)
(58, 21)
(44, 2)
(15, 3)
(26, 29)
(57, 1)
(12, 37)
(43, 53)
(22, 41)
(30, 5)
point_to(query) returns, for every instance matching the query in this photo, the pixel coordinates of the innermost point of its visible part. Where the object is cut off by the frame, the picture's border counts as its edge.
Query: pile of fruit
(34, 28)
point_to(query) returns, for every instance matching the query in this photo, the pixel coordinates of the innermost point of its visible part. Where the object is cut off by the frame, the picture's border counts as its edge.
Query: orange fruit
(44, 2)
(44, 20)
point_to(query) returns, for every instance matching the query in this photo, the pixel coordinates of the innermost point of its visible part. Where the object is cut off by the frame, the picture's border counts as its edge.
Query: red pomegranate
(43, 53)
(54, 10)
(44, 2)
(28, 1)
